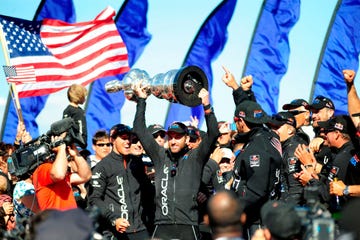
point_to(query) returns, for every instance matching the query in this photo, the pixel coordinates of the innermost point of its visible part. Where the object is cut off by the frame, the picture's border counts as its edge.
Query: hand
(61, 147)
(73, 152)
(8, 208)
(229, 79)
(246, 83)
(217, 155)
(305, 156)
(305, 176)
(20, 131)
(121, 224)
(224, 127)
(349, 76)
(316, 144)
(194, 121)
(337, 188)
(205, 98)
(140, 90)
(26, 137)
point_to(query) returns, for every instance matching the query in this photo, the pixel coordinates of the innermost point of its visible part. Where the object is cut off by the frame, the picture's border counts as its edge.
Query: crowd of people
(292, 175)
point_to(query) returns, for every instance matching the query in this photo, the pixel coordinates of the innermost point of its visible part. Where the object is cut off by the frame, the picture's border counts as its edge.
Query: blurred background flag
(268, 55)
(207, 45)
(31, 106)
(341, 51)
(103, 109)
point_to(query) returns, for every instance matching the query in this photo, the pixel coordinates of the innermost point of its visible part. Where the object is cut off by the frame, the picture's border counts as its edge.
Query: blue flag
(32, 106)
(341, 51)
(268, 56)
(103, 109)
(207, 45)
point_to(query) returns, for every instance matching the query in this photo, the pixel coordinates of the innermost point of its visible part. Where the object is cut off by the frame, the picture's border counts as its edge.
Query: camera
(316, 220)
(30, 155)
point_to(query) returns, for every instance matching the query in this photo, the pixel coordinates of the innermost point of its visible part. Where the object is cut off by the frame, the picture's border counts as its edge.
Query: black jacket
(257, 171)
(176, 195)
(118, 191)
(293, 189)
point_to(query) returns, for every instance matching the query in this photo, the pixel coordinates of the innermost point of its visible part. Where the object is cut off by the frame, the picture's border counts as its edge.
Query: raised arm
(151, 147)
(82, 171)
(242, 93)
(353, 98)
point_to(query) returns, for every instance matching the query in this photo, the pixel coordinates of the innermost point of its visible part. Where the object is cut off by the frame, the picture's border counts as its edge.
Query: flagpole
(13, 91)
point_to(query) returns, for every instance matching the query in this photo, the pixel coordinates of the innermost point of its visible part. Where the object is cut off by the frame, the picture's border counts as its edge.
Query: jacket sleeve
(96, 194)
(208, 142)
(240, 95)
(151, 147)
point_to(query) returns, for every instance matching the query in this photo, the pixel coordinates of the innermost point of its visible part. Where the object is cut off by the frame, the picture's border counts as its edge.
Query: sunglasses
(193, 139)
(296, 112)
(134, 139)
(161, 134)
(103, 144)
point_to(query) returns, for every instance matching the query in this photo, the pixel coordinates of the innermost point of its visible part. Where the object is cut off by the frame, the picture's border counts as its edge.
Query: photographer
(52, 180)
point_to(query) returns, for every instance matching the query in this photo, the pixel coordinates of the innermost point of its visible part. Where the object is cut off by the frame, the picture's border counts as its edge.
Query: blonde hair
(77, 93)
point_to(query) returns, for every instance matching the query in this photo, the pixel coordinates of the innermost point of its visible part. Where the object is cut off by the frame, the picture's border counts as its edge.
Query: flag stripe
(135, 35)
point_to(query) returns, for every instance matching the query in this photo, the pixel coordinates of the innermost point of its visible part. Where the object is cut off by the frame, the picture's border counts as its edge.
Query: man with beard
(177, 170)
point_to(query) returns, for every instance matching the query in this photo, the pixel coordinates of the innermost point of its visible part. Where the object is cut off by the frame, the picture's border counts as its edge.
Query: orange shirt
(52, 195)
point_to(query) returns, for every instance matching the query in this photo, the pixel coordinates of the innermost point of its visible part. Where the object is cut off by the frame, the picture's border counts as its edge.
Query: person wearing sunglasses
(298, 108)
(322, 109)
(159, 133)
(194, 137)
(257, 167)
(118, 186)
(177, 170)
(284, 124)
(101, 145)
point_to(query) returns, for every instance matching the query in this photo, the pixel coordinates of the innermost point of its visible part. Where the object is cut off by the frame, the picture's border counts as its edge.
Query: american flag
(20, 74)
(62, 54)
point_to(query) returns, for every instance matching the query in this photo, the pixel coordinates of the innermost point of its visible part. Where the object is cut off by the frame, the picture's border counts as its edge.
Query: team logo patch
(254, 160)
(354, 160)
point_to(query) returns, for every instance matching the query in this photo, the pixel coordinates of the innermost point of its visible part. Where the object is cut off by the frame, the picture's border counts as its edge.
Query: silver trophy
(177, 86)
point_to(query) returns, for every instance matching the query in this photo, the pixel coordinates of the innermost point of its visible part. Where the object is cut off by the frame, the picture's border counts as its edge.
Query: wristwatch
(346, 191)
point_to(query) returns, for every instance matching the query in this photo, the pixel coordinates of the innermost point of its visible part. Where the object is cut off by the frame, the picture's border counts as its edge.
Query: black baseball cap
(282, 118)
(119, 129)
(251, 112)
(154, 128)
(177, 127)
(295, 104)
(342, 123)
(321, 102)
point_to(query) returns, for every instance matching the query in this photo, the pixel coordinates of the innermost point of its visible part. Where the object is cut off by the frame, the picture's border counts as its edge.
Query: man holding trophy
(177, 169)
